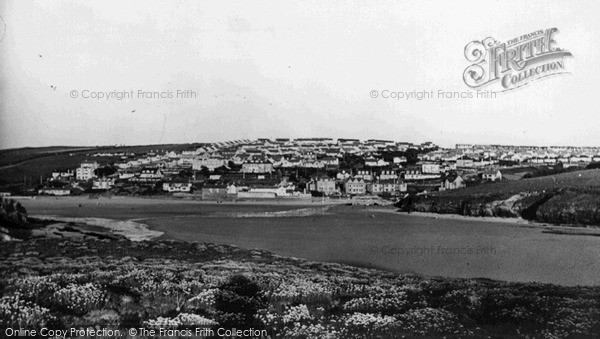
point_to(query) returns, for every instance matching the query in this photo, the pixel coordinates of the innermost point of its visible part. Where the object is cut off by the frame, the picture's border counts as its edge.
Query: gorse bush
(429, 321)
(237, 302)
(296, 314)
(17, 312)
(182, 319)
(368, 323)
(78, 299)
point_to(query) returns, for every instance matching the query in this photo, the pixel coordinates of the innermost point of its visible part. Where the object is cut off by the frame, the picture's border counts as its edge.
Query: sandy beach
(519, 222)
(85, 199)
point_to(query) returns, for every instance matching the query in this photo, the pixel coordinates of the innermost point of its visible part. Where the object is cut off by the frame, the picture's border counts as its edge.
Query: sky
(278, 69)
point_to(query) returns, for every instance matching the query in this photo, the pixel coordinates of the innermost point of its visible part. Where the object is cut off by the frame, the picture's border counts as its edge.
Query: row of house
(357, 186)
(549, 155)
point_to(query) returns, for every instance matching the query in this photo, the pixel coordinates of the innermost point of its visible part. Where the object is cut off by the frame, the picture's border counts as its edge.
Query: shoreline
(186, 200)
(517, 222)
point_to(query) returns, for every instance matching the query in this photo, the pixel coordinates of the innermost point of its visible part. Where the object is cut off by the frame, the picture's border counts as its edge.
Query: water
(409, 244)
(386, 240)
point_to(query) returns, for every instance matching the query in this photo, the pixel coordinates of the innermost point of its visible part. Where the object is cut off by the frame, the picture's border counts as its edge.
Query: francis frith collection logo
(516, 62)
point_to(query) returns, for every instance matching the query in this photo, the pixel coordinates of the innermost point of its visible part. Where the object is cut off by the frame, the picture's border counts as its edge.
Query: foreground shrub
(38, 289)
(384, 303)
(78, 299)
(17, 312)
(237, 302)
(428, 321)
(368, 324)
(183, 319)
(296, 314)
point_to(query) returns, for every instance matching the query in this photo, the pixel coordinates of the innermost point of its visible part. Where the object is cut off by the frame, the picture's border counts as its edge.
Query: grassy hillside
(577, 180)
(17, 155)
(16, 165)
(567, 198)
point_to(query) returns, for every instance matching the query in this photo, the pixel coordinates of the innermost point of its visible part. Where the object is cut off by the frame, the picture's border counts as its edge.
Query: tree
(221, 170)
(233, 166)
(185, 174)
(105, 171)
(352, 161)
(205, 172)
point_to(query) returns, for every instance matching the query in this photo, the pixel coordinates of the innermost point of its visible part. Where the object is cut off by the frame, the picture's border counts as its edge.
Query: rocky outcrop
(13, 220)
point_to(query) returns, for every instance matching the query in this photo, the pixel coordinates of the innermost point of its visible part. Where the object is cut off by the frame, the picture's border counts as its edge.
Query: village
(309, 167)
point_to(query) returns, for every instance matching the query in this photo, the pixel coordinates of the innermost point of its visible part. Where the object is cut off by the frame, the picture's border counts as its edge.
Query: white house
(464, 162)
(342, 175)
(491, 175)
(453, 183)
(372, 162)
(280, 191)
(68, 175)
(55, 191)
(418, 175)
(126, 175)
(430, 168)
(365, 175)
(86, 169)
(326, 186)
(257, 167)
(388, 175)
(103, 184)
(177, 187)
(356, 187)
(399, 160)
(151, 174)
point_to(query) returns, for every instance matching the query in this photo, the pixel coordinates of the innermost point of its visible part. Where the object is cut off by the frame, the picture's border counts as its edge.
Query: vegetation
(13, 219)
(62, 283)
(105, 171)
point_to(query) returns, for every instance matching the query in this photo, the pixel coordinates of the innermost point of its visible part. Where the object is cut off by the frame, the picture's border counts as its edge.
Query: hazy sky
(284, 69)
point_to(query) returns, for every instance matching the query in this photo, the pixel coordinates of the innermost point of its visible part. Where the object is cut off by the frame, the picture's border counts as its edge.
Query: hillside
(567, 198)
(577, 180)
(25, 165)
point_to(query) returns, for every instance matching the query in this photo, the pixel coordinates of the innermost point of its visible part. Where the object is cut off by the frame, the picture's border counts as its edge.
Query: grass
(16, 155)
(577, 180)
(29, 171)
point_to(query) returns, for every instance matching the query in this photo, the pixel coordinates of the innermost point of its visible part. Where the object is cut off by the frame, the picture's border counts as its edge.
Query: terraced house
(209, 162)
(325, 186)
(356, 187)
(150, 174)
(257, 167)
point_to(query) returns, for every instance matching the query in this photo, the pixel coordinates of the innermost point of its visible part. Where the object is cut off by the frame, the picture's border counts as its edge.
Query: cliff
(557, 206)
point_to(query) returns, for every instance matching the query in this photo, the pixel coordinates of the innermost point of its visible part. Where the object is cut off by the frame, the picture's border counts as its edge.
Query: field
(17, 155)
(577, 180)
